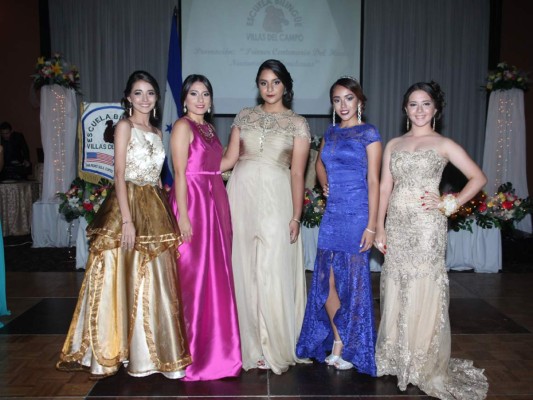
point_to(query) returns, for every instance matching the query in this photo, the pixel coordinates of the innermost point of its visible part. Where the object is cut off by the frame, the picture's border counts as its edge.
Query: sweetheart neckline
(418, 151)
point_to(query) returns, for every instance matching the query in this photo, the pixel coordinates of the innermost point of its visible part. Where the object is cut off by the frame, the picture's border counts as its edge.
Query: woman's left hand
(366, 241)
(430, 201)
(294, 230)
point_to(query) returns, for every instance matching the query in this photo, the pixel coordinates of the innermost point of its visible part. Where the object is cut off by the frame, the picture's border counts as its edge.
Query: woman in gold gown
(129, 308)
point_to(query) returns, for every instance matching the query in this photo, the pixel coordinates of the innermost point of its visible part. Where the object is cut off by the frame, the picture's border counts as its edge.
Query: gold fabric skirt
(129, 307)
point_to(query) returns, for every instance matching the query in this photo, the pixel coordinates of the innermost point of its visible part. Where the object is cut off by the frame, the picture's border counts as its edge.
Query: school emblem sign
(96, 149)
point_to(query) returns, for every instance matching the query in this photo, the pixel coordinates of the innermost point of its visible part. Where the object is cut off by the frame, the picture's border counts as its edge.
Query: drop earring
(184, 109)
(333, 117)
(359, 120)
(155, 116)
(407, 124)
(130, 108)
(209, 110)
(433, 123)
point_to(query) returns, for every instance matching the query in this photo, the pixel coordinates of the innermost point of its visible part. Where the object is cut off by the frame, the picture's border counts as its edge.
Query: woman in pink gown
(200, 203)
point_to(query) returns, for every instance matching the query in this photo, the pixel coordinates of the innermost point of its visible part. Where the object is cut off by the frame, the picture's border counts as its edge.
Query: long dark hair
(188, 82)
(143, 76)
(284, 76)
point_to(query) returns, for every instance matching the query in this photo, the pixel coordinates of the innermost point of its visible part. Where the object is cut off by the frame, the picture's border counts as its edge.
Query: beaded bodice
(268, 137)
(144, 158)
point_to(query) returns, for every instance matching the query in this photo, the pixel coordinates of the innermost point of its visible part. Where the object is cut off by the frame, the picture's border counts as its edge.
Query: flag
(100, 157)
(172, 109)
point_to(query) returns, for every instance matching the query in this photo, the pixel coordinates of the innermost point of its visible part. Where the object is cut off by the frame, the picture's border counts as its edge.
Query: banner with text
(96, 150)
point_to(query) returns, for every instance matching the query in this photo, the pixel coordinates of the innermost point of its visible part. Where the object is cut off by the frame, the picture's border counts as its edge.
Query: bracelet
(448, 205)
(126, 222)
(368, 230)
(296, 220)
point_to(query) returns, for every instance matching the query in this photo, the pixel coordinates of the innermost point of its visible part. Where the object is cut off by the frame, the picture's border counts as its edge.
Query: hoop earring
(333, 117)
(359, 113)
(433, 123)
(407, 124)
(184, 109)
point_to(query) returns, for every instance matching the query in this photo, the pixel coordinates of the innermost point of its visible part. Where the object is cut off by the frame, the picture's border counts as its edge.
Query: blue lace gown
(343, 224)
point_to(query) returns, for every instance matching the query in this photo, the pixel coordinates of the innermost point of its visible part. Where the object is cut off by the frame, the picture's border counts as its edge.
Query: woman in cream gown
(129, 308)
(269, 144)
(414, 338)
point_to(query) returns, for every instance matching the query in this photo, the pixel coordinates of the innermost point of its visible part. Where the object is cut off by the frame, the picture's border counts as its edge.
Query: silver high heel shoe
(332, 358)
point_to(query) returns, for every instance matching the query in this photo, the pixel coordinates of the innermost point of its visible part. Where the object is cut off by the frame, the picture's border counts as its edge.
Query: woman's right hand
(184, 223)
(380, 241)
(325, 189)
(128, 235)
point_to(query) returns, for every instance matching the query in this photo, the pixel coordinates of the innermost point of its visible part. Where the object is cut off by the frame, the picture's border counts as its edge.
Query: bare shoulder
(123, 127)
(182, 130)
(393, 143)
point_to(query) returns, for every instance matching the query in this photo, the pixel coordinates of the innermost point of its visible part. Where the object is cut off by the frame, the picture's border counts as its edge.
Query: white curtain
(108, 40)
(59, 118)
(409, 41)
(504, 158)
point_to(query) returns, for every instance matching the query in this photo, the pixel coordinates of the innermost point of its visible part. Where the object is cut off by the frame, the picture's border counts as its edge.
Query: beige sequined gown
(414, 338)
(129, 307)
(268, 271)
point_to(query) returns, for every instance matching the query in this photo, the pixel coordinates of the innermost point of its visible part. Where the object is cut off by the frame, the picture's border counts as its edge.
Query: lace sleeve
(302, 128)
(371, 135)
(240, 117)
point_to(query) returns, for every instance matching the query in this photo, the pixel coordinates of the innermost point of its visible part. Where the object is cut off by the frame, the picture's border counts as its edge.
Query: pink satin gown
(205, 270)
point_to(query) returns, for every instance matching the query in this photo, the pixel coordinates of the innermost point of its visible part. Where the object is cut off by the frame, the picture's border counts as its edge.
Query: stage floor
(491, 317)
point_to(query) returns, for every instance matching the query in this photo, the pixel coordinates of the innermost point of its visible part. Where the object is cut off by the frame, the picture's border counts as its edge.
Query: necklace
(206, 130)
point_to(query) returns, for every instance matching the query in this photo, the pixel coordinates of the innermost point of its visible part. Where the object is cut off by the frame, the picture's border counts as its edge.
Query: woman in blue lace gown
(339, 312)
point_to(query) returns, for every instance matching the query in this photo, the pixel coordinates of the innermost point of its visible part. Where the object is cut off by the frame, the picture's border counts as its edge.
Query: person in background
(16, 154)
(129, 308)
(340, 311)
(200, 203)
(414, 338)
(269, 146)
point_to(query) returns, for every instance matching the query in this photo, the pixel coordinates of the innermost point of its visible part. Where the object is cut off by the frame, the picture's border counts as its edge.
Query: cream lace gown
(414, 338)
(268, 271)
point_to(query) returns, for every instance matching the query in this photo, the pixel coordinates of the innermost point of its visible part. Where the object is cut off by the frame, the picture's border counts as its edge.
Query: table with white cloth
(82, 244)
(310, 242)
(16, 198)
(49, 228)
(480, 250)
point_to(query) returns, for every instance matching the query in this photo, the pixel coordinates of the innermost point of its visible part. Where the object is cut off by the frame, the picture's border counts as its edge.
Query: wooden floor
(491, 317)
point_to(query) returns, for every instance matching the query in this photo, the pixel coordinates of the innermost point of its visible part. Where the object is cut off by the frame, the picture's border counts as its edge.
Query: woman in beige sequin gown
(269, 144)
(414, 338)
(129, 308)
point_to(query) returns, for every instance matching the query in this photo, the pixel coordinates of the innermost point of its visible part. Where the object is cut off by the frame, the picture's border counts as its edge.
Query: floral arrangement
(500, 210)
(506, 77)
(56, 70)
(83, 199)
(314, 206)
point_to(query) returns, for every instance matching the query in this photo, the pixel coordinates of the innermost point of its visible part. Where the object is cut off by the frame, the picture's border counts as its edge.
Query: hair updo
(351, 84)
(279, 69)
